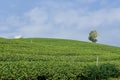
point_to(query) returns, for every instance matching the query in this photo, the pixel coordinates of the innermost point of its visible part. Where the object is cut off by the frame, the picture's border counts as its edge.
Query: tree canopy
(93, 35)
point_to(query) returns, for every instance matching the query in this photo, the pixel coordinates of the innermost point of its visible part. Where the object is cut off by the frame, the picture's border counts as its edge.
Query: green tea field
(52, 59)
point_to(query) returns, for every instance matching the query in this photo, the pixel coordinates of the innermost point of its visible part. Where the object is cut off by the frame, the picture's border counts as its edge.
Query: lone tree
(93, 35)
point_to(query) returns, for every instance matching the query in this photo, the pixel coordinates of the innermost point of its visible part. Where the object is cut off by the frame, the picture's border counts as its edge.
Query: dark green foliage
(103, 71)
(92, 39)
(93, 35)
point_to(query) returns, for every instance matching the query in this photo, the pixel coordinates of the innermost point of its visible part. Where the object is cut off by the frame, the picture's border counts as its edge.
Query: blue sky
(68, 19)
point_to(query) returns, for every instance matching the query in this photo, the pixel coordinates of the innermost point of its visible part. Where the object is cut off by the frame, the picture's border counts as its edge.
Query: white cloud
(37, 15)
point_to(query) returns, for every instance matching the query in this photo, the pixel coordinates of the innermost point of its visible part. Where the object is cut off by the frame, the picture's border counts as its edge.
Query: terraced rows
(54, 59)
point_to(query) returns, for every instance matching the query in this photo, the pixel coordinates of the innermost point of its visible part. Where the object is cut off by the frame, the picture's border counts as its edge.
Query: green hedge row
(61, 71)
(102, 71)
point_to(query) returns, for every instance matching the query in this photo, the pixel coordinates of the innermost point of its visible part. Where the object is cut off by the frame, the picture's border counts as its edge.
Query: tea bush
(55, 59)
(102, 71)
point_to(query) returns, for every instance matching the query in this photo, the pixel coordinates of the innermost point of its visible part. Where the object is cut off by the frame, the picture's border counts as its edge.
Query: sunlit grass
(21, 57)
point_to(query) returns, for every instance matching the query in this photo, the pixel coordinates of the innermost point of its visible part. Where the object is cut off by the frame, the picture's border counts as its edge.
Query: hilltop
(31, 58)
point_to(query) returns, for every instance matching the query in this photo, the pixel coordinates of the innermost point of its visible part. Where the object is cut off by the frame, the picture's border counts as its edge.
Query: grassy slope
(53, 54)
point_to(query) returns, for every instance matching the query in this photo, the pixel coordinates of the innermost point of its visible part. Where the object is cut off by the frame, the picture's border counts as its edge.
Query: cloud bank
(66, 20)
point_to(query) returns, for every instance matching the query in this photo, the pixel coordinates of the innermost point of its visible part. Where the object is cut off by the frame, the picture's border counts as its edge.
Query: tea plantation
(57, 59)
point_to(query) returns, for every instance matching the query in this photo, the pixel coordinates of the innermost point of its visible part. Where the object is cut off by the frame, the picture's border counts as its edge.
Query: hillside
(32, 58)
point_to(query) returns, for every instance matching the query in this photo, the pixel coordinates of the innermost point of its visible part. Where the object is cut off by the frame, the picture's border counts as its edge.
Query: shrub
(103, 71)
